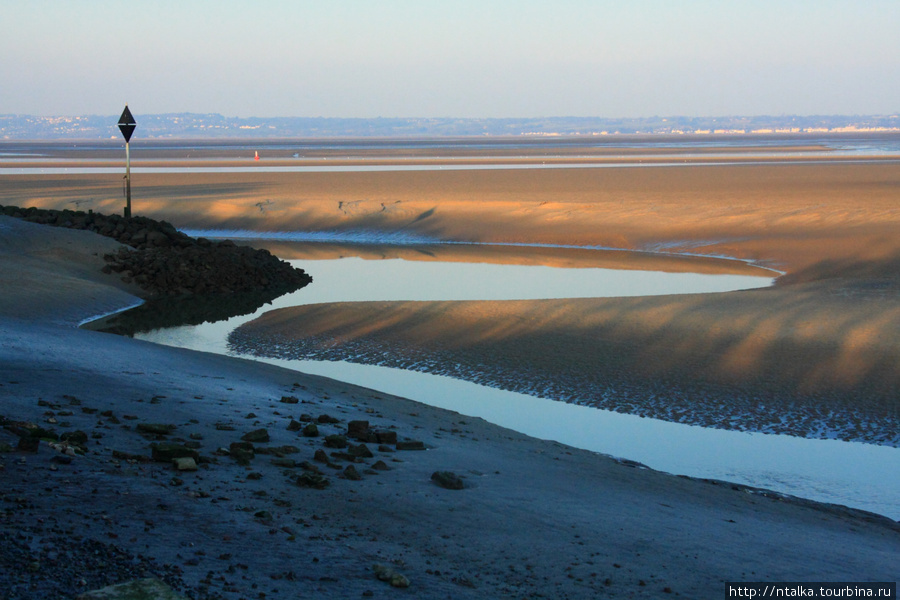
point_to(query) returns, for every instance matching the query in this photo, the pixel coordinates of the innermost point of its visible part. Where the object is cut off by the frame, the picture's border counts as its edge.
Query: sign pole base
(127, 181)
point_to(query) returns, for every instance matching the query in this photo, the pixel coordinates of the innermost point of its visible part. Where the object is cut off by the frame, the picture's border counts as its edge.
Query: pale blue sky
(428, 58)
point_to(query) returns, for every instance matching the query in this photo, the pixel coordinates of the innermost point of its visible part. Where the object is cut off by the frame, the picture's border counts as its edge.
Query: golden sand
(828, 327)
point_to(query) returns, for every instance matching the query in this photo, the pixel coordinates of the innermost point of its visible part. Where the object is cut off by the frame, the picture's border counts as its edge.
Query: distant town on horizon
(194, 125)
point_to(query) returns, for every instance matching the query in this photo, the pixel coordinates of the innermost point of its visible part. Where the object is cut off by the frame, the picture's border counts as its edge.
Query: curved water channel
(852, 474)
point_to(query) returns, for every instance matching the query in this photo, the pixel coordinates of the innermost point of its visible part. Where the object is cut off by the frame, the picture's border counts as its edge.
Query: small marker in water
(256, 155)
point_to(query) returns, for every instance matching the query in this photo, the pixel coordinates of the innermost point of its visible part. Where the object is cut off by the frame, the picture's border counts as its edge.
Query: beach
(533, 518)
(818, 347)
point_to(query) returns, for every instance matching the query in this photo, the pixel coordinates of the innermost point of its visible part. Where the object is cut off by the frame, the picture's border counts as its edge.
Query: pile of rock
(165, 262)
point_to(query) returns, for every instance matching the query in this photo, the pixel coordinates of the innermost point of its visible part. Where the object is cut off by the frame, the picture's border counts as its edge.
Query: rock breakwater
(164, 262)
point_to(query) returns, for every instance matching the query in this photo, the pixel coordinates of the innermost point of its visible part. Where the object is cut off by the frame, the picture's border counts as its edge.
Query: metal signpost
(126, 126)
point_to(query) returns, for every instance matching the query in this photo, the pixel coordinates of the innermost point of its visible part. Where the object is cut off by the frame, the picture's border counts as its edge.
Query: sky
(450, 58)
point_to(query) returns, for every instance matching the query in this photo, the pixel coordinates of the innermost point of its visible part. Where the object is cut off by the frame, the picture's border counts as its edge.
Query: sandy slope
(536, 520)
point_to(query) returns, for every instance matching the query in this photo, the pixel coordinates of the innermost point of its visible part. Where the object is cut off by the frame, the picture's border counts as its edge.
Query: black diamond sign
(127, 124)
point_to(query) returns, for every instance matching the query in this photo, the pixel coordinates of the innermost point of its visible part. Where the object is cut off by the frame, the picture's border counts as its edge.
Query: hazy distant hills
(192, 125)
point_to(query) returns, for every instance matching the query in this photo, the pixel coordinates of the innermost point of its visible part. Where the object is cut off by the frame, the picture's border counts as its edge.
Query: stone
(294, 425)
(278, 450)
(358, 430)
(313, 480)
(242, 452)
(335, 441)
(185, 463)
(410, 445)
(158, 239)
(118, 454)
(290, 399)
(287, 463)
(42, 433)
(360, 451)
(321, 456)
(169, 451)
(351, 473)
(327, 419)
(256, 436)
(308, 466)
(311, 430)
(76, 437)
(381, 466)
(140, 589)
(386, 437)
(155, 428)
(385, 573)
(448, 480)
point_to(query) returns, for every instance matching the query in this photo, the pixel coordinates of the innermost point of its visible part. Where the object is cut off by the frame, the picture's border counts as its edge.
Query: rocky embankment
(164, 262)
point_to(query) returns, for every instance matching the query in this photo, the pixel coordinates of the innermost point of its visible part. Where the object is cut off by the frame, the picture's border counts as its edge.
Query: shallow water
(853, 474)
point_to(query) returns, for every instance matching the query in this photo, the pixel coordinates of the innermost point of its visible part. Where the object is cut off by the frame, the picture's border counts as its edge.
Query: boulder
(385, 573)
(242, 452)
(358, 430)
(335, 441)
(313, 480)
(169, 451)
(185, 463)
(155, 428)
(351, 473)
(448, 480)
(410, 445)
(359, 451)
(385, 437)
(256, 436)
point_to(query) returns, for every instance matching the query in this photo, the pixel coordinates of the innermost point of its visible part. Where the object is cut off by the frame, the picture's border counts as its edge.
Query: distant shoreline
(194, 125)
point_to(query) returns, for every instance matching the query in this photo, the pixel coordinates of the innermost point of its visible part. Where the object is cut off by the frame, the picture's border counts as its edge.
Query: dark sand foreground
(536, 519)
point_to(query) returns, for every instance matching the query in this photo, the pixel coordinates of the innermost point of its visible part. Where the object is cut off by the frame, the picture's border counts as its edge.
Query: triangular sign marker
(127, 124)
